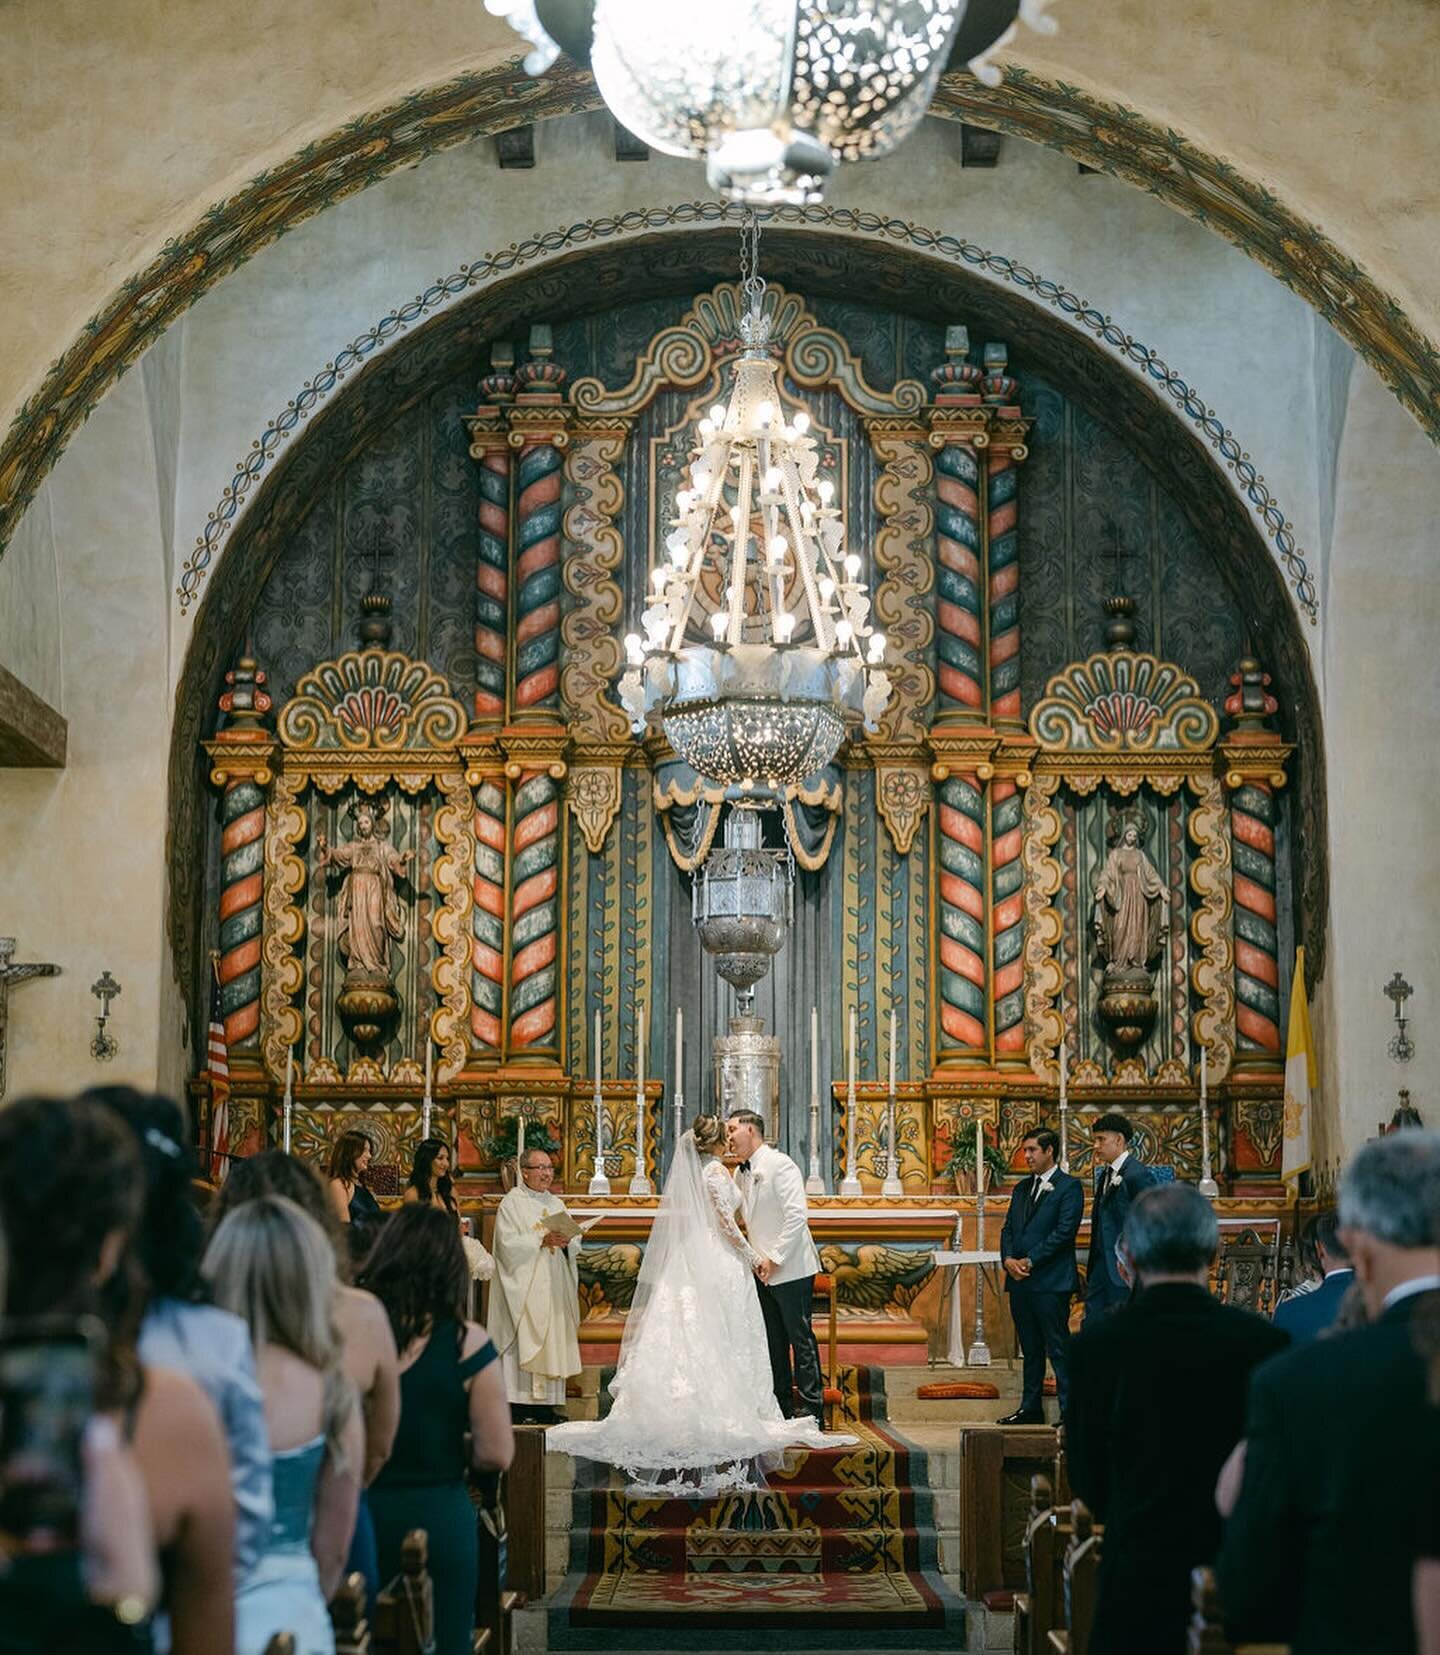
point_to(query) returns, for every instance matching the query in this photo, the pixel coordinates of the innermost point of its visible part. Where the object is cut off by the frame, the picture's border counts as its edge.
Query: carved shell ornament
(1124, 703)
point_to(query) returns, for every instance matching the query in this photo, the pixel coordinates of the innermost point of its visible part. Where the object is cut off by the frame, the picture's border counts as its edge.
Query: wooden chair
(496, 1602)
(1247, 1270)
(834, 1397)
(348, 1617)
(405, 1609)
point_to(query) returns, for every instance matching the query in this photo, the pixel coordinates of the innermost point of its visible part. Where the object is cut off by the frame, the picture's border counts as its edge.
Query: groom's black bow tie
(743, 1167)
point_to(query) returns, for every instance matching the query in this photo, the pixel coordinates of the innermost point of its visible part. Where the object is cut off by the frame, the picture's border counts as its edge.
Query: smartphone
(48, 1371)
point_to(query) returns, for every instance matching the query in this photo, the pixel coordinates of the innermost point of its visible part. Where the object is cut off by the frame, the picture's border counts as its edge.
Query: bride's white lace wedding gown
(693, 1408)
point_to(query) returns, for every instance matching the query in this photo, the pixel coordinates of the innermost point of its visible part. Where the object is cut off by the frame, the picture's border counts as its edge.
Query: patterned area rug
(839, 1551)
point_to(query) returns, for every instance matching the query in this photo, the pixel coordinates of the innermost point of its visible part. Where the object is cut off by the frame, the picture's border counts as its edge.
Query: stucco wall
(1382, 710)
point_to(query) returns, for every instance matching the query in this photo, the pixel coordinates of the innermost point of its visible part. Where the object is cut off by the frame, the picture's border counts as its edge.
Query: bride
(694, 1410)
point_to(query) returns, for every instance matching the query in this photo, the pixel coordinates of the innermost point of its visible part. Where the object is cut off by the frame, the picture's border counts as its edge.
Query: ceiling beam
(979, 146)
(516, 148)
(32, 733)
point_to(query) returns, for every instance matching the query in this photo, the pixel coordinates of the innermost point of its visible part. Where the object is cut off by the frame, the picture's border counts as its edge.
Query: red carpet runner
(840, 1552)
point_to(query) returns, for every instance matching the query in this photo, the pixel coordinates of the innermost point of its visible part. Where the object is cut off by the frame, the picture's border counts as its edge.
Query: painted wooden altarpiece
(1070, 675)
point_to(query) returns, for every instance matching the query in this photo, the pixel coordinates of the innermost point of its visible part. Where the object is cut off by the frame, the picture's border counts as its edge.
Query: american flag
(217, 1064)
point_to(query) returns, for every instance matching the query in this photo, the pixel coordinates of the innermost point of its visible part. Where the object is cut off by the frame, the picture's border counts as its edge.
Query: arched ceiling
(810, 262)
(152, 146)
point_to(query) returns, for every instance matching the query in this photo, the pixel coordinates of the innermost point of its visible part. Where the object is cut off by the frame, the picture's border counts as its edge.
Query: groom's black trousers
(786, 1309)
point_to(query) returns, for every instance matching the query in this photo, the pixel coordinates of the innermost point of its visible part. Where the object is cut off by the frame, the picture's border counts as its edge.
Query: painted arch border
(1144, 362)
(1101, 134)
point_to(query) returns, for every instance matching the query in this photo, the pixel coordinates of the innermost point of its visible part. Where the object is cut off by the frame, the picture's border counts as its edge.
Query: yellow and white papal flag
(1301, 1081)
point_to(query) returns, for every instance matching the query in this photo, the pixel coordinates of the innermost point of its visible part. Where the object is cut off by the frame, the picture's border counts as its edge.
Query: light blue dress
(214, 1348)
(282, 1593)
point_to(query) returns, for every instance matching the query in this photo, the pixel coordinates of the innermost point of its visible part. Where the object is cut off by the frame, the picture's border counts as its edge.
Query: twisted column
(535, 911)
(1257, 943)
(241, 752)
(537, 573)
(959, 585)
(1002, 514)
(962, 914)
(1007, 909)
(242, 891)
(487, 918)
(492, 585)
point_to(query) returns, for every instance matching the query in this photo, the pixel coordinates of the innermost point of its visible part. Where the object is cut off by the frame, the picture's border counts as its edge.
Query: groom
(772, 1198)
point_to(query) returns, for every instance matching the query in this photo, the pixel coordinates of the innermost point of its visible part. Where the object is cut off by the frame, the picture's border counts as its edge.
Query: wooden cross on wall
(11, 973)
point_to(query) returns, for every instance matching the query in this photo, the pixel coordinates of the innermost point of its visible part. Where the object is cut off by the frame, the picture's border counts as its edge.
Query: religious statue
(368, 912)
(1132, 921)
(1132, 916)
(369, 917)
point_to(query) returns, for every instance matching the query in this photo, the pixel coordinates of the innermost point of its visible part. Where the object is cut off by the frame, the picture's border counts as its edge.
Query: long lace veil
(682, 1239)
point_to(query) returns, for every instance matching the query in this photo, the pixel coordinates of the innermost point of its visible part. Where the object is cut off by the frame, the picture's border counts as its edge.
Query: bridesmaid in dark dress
(450, 1383)
(354, 1205)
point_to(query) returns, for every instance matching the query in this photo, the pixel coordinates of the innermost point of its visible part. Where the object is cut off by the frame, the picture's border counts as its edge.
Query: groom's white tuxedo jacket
(777, 1217)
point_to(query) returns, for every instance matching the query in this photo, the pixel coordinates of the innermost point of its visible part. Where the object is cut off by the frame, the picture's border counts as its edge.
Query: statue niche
(368, 915)
(1131, 921)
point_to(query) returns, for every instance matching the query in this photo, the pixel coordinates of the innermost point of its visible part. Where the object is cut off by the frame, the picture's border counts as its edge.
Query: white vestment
(693, 1410)
(534, 1301)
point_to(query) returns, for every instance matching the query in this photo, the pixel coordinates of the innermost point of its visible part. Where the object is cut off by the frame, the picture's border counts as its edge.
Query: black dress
(366, 1218)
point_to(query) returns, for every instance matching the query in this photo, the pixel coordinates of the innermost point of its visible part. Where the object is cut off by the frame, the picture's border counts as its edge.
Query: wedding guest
(1037, 1251)
(535, 1300)
(1308, 1315)
(369, 1347)
(1342, 1450)
(450, 1384)
(1119, 1178)
(70, 1197)
(181, 1328)
(1172, 1354)
(272, 1265)
(353, 1203)
(431, 1184)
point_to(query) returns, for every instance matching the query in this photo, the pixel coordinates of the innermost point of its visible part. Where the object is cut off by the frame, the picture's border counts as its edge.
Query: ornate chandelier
(757, 646)
(773, 92)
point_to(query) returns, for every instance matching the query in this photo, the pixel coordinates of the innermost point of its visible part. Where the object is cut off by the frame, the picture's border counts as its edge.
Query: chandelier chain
(752, 283)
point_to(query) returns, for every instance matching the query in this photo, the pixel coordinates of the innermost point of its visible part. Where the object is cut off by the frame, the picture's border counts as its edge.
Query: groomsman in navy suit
(1308, 1315)
(1119, 1179)
(1037, 1250)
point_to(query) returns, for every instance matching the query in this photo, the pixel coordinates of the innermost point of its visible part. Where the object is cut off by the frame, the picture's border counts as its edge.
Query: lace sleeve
(725, 1214)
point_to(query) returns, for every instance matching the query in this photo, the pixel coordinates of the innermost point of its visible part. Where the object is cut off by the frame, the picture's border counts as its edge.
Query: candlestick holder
(1207, 1185)
(814, 1183)
(599, 1183)
(892, 1184)
(639, 1181)
(978, 1356)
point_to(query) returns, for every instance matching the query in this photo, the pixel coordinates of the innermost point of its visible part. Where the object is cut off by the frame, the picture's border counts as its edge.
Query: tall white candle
(599, 1115)
(679, 1051)
(850, 1111)
(890, 1123)
(1064, 1072)
(288, 1112)
(639, 1091)
(814, 1057)
(519, 1141)
(1203, 1076)
(425, 1110)
(979, 1158)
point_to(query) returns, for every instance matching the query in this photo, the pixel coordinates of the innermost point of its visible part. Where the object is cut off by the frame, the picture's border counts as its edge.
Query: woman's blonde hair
(273, 1265)
(709, 1132)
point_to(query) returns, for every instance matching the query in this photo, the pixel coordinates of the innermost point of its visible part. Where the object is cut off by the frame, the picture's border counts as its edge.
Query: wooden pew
(496, 1602)
(1207, 1631)
(1082, 1569)
(405, 1609)
(524, 1500)
(1040, 1608)
(996, 1463)
(348, 1617)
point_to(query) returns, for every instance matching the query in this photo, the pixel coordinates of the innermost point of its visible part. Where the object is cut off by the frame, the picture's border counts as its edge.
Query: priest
(534, 1297)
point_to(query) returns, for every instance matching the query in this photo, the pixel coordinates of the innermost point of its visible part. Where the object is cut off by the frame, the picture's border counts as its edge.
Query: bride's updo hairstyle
(709, 1133)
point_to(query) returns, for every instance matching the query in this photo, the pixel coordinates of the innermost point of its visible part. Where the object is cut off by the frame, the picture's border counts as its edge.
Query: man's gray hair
(1171, 1230)
(1391, 1190)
